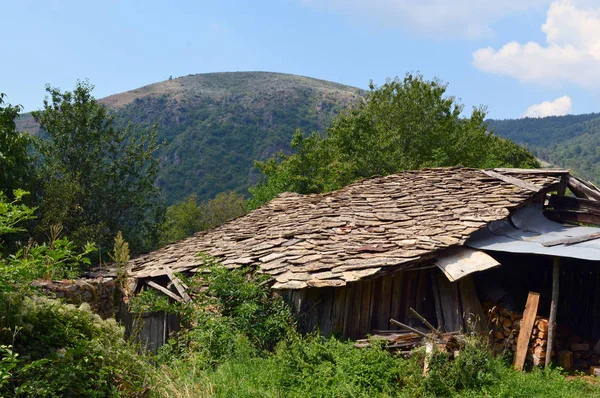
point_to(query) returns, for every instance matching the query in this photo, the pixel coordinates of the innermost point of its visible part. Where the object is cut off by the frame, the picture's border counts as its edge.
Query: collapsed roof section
(369, 228)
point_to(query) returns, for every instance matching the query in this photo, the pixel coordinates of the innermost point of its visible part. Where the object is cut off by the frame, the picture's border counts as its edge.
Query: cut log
(529, 314)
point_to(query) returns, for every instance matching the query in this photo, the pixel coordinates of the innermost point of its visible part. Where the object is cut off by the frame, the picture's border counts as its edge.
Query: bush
(473, 369)
(65, 350)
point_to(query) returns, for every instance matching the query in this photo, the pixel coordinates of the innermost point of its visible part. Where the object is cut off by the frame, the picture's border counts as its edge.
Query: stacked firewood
(504, 331)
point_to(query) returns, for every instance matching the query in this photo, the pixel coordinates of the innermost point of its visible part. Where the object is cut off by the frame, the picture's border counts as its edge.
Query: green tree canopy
(15, 162)
(405, 124)
(97, 177)
(187, 217)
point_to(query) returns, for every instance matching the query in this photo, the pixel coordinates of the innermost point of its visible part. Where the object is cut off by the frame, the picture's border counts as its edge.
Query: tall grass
(242, 343)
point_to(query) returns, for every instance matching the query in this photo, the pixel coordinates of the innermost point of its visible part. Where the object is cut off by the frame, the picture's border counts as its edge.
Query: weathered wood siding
(361, 307)
(151, 330)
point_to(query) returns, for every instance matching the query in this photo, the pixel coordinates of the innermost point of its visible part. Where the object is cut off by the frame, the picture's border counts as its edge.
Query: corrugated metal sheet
(528, 230)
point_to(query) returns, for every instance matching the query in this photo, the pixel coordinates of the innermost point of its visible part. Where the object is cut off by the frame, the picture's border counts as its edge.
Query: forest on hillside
(213, 127)
(571, 141)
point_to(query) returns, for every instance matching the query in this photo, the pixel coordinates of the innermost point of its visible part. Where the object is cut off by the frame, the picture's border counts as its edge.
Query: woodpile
(570, 351)
(504, 330)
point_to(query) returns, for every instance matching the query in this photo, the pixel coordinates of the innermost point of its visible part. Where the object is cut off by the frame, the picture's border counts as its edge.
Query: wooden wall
(151, 330)
(360, 307)
(366, 306)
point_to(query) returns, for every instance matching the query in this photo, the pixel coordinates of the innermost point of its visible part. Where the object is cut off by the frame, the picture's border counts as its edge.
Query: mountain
(217, 124)
(571, 141)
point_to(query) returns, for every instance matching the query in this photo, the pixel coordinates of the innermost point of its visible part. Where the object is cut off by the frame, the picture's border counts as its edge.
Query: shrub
(229, 306)
(69, 351)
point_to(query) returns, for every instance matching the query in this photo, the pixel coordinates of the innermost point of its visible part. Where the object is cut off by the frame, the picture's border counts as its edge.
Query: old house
(441, 241)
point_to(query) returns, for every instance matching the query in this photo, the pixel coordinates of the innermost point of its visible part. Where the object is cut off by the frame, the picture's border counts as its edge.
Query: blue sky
(534, 57)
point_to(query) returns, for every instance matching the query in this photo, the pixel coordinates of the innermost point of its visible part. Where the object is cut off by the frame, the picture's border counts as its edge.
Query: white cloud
(558, 107)
(436, 18)
(571, 52)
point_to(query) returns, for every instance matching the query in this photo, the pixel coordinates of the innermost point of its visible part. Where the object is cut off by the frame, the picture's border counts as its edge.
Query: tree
(403, 125)
(187, 217)
(97, 177)
(15, 162)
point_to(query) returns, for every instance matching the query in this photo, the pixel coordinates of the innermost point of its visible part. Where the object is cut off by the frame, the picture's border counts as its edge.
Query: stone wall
(99, 293)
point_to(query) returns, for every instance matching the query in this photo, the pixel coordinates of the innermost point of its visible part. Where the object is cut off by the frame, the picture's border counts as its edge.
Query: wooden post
(562, 186)
(553, 309)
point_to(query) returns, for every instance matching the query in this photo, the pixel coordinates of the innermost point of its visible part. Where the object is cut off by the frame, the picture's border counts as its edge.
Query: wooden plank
(423, 321)
(339, 299)
(572, 217)
(582, 189)
(409, 293)
(553, 309)
(532, 171)
(383, 304)
(475, 319)
(574, 204)
(164, 290)
(514, 181)
(450, 303)
(396, 296)
(356, 308)
(421, 294)
(436, 298)
(372, 300)
(365, 306)
(404, 326)
(177, 283)
(326, 307)
(348, 309)
(533, 299)
(563, 184)
(572, 240)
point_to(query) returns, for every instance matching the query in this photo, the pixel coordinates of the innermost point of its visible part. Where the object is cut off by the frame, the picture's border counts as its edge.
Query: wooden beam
(395, 322)
(564, 183)
(532, 171)
(514, 181)
(583, 190)
(553, 309)
(571, 240)
(177, 283)
(424, 321)
(533, 300)
(567, 203)
(572, 217)
(165, 291)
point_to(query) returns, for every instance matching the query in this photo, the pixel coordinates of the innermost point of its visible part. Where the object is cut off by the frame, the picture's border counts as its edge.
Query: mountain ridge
(218, 124)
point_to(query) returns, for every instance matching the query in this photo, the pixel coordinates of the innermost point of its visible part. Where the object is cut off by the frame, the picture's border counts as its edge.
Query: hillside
(571, 141)
(217, 124)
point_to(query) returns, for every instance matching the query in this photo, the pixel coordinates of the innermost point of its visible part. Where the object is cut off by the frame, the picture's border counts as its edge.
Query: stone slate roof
(371, 227)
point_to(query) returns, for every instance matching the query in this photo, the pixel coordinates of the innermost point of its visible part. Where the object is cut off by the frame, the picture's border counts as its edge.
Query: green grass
(330, 368)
